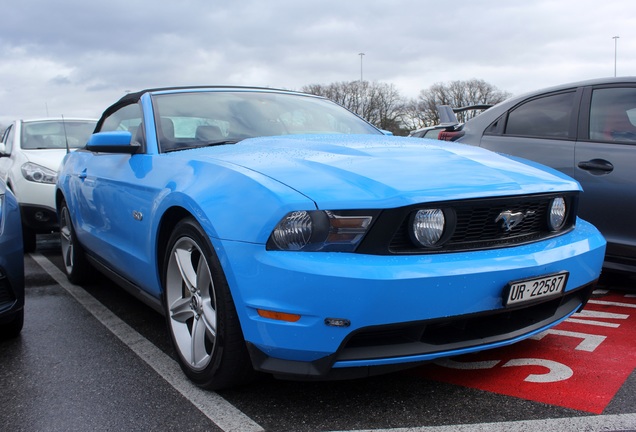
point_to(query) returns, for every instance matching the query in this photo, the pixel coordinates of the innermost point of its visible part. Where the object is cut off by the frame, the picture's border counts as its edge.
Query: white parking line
(609, 303)
(225, 415)
(230, 419)
(619, 422)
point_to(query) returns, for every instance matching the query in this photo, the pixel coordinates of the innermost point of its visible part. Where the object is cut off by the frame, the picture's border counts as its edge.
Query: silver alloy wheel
(66, 240)
(191, 303)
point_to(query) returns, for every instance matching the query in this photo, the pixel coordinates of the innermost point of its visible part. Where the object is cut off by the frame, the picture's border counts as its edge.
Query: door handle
(600, 166)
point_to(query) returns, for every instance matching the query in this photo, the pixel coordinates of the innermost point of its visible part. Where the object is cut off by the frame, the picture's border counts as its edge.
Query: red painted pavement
(580, 364)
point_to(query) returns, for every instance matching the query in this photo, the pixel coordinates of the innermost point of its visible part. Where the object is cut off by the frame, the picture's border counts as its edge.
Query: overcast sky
(76, 57)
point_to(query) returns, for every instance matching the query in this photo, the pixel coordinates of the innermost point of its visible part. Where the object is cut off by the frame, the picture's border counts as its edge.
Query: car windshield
(199, 118)
(56, 134)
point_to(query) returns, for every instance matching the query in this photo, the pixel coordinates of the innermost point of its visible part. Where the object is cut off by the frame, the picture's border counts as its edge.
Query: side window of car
(613, 115)
(7, 139)
(496, 127)
(127, 118)
(544, 117)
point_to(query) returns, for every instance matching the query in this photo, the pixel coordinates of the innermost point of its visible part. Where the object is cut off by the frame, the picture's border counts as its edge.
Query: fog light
(557, 214)
(428, 226)
(41, 217)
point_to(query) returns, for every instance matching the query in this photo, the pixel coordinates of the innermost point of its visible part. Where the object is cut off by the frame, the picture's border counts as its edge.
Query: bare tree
(414, 118)
(457, 94)
(379, 103)
(386, 107)
(347, 94)
(382, 105)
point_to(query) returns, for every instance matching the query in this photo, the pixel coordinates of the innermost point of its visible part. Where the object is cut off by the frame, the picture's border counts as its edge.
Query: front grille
(473, 224)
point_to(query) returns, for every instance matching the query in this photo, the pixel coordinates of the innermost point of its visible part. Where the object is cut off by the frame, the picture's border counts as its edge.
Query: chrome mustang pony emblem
(512, 219)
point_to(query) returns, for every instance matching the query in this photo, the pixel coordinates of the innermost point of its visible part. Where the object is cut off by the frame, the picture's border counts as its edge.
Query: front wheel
(75, 263)
(201, 315)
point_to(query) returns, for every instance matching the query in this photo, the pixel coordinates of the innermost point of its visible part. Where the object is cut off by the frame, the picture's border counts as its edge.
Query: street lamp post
(615, 50)
(361, 88)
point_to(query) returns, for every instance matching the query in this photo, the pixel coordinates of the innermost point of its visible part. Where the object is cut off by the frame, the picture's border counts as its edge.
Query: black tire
(28, 239)
(202, 319)
(77, 267)
(12, 328)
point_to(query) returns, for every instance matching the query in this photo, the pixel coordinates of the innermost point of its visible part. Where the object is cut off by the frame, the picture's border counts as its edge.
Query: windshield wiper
(219, 142)
(202, 144)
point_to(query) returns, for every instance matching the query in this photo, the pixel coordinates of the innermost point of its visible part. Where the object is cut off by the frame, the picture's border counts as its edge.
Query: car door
(605, 159)
(114, 194)
(542, 129)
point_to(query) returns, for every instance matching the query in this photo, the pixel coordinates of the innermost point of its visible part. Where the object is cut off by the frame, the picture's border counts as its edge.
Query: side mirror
(3, 149)
(387, 132)
(112, 142)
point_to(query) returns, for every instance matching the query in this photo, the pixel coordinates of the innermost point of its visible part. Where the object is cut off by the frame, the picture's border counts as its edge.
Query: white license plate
(534, 289)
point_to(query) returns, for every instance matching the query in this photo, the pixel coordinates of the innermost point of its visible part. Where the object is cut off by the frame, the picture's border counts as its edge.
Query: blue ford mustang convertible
(280, 233)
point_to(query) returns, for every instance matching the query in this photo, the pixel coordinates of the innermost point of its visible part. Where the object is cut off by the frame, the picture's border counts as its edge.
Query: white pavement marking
(589, 342)
(556, 371)
(583, 318)
(593, 322)
(586, 313)
(619, 422)
(609, 303)
(225, 415)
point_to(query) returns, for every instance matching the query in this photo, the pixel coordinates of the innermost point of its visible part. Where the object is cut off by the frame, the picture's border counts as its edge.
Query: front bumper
(401, 309)
(37, 205)
(40, 219)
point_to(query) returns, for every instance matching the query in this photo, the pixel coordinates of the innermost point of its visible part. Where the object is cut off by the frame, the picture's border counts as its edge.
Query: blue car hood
(374, 171)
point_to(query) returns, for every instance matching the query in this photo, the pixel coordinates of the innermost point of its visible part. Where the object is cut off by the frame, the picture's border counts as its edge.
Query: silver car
(586, 130)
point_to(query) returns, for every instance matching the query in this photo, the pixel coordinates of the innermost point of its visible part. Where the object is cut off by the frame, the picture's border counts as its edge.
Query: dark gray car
(586, 130)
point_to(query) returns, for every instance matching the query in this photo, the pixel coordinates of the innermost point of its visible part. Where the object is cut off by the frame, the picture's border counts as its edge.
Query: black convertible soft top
(133, 97)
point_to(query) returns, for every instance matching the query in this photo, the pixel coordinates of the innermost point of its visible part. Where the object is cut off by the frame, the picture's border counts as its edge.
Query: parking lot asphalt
(94, 358)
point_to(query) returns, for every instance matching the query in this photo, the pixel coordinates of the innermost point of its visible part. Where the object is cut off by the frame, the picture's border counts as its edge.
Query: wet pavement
(94, 358)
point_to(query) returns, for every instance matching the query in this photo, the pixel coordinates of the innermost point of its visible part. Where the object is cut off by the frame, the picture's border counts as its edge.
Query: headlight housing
(557, 214)
(38, 174)
(317, 230)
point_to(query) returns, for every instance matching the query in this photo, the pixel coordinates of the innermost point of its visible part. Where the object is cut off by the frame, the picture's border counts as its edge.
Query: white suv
(30, 155)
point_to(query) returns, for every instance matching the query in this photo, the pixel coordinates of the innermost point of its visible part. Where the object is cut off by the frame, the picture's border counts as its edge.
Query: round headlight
(428, 226)
(294, 231)
(557, 214)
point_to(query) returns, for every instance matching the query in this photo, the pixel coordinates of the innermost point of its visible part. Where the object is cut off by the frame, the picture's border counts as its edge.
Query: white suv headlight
(38, 173)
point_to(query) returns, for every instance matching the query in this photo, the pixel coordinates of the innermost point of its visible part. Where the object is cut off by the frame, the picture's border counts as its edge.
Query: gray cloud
(77, 57)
